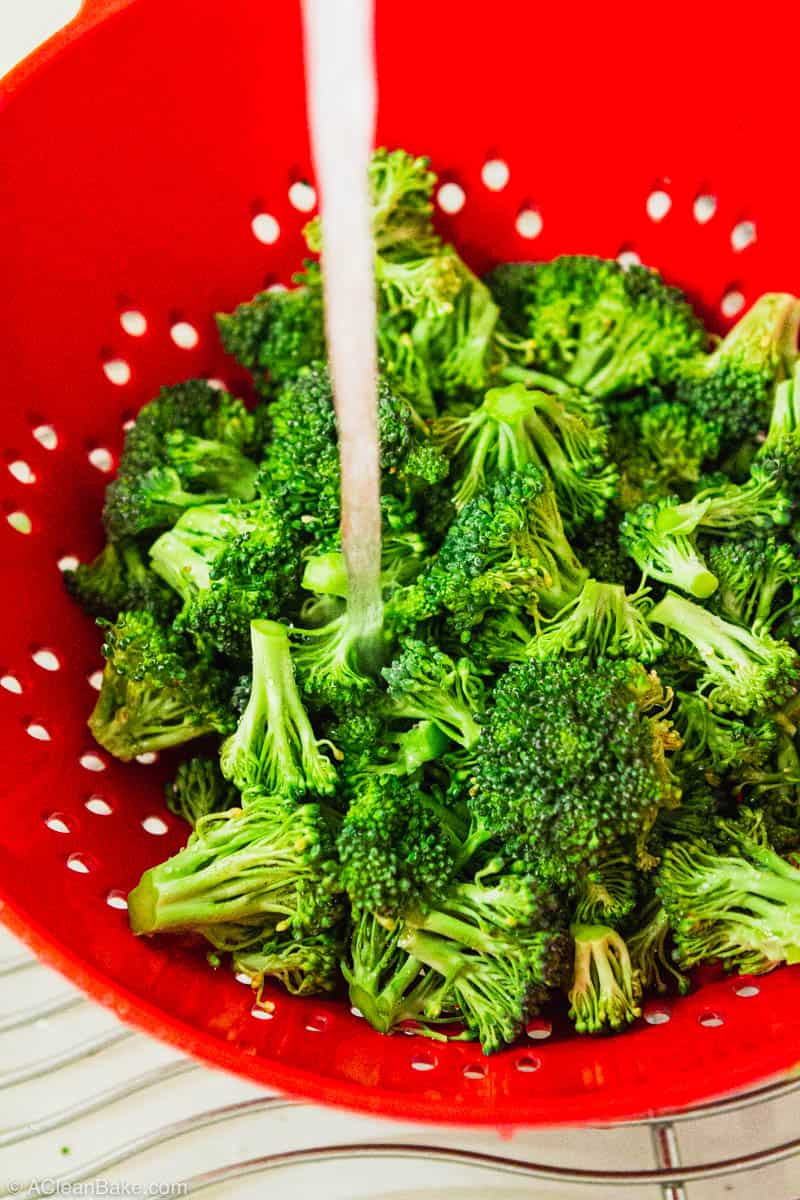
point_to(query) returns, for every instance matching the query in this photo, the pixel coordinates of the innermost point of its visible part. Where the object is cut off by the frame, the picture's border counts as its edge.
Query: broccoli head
(117, 580)
(157, 691)
(274, 748)
(671, 557)
(306, 965)
(425, 684)
(571, 768)
(269, 863)
(602, 622)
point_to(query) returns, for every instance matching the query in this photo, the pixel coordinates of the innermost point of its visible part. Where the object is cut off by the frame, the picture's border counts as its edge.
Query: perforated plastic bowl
(151, 160)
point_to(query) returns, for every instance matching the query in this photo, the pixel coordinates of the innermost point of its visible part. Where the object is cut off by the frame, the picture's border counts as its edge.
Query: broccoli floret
(506, 550)
(274, 748)
(606, 988)
(212, 466)
(278, 332)
(118, 580)
(515, 426)
(424, 683)
(732, 388)
(328, 660)
(397, 845)
(678, 442)
(598, 547)
(732, 898)
(199, 788)
(759, 580)
(607, 892)
(650, 956)
(189, 410)
(760, 503)
(742, 671)
(571, 769)
(715, 743)
(270, 862)
(602, 622)
(602, 329)
(230, 564)
(671, 557)
(700, 805)
(157, 691)
(387, 985)
(301, 466)
(305, 966)
(501, 638)
(149, 501)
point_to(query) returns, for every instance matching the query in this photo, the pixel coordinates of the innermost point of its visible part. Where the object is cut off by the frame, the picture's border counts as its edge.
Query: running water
(340, 75)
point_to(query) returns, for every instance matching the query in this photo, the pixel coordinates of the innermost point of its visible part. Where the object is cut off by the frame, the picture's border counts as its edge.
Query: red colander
(154, 168)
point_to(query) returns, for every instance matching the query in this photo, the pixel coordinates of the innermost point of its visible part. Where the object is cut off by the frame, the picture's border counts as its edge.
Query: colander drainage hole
(495, 174)
(747, 990)
(317, 1024)
(60, 823)
(528, 1064)
(81, 864)
(21, 471)
(451, 197)
(46, 436)
(658, 204)
(97, 805)
(474, 1071)
(424, 1061)
(184, 335)
(20, 521)
(704, 208)
(101, 459)
(628, 258)
(133, 322)
(529, 223)
(96, 679)
(37, 731)
(732, 303)
(117, 371)
(710, 1020)
(68, 562)
(743, 235)
(116, 898)
(539, 1029)
(92, 762)
(265, 229)
(157, 826)
(10, 683)
(657, 1016)
(302, 196)
(265, 1011)
(46, 659)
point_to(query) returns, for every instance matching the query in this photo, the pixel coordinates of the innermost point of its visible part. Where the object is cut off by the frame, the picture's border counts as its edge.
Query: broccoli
(731, 897)
(424, 683)
(716, 743)
(732, 388)
(572, 769)
(118, 580)
(598, 547)
(606, 988)
(650, 958)
(602, 622)
(607, 892)
(759, 580)
(742, 671)
(328, 660)
(278, 331)
(306, 966)
(671, 557)
(271, 861)
(397, 845)
(230, 564)
(502, 637)
(199, 788)
(157, 691)
(185, 448)
(760, 503)
(515, 426)
(505, 550)
(274, 749)
(387, 985)
(599, 327)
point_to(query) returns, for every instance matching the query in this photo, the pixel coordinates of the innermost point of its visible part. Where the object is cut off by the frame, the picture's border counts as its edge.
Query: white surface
(83, 1096)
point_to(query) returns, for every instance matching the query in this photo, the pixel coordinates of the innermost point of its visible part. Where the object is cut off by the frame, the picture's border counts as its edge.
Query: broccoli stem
(536, 379)
(326, 575)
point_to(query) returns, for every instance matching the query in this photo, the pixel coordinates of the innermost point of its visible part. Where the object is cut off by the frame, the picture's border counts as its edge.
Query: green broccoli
(732, 388)
(515, 426)
(671, 557)
(742, 672)
(648, 948)
(274, 748)
(118, 580)
(759, 580)
(157, 690)
(426, 684)
(731, 897)
(271, 861)
(602, 622)
(601, 328)
(606, 988)
(607, 892)
(714, 742)
(199, 788)
(572, 770)
(306, 965)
